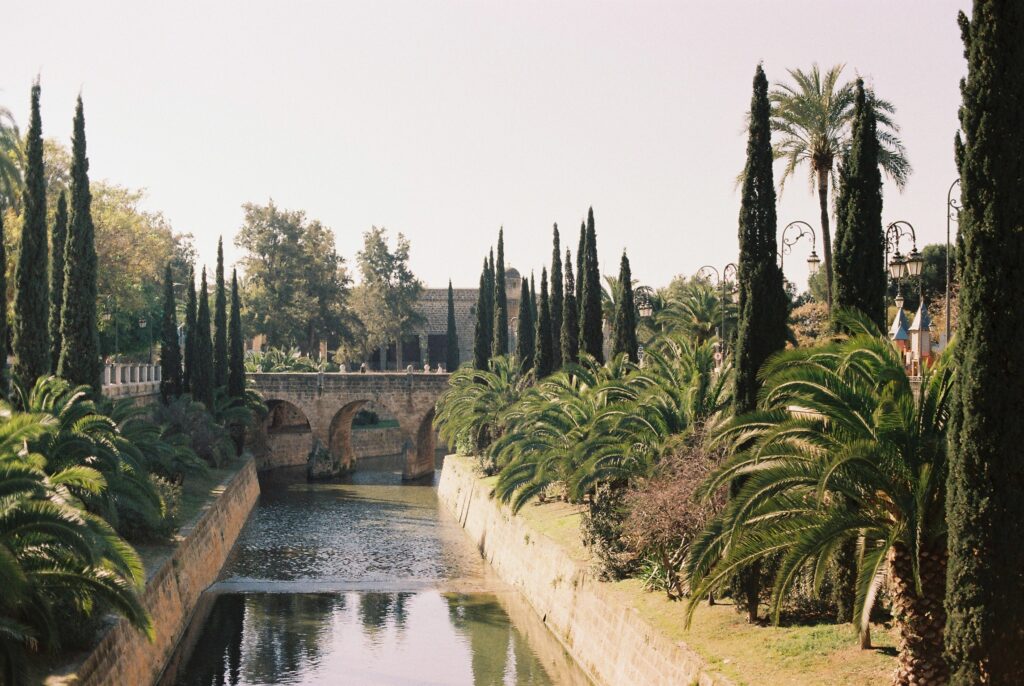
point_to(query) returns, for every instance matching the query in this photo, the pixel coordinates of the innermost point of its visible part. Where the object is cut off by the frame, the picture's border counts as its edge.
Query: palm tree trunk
(920, 618)
(826, 233)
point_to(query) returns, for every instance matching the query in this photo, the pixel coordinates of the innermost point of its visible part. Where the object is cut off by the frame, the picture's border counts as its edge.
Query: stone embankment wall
(608, 639)
(124, 656)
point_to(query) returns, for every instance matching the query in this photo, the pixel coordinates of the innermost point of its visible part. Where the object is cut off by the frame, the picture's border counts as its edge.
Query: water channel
(366, 581)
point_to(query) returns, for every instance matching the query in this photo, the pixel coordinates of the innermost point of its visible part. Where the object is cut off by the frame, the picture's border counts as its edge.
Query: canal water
(366, 581)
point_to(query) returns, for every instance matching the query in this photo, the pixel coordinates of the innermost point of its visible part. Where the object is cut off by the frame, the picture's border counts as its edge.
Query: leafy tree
(591, 324)
(11, 159)
(202, 367)
(191, 316)
(859, 278)
(452, 348)
(170, 351)
(481, 349)
(543, 349)
(525, 330)
(236, 343)
(624, 322)
(499, 343)
(985, 511)
(842, 448)
(3, 304)
(570, 333)
(80, 355)
(220, 322)
(386, 299)
(814, 117)
(296, 285)
(31, 344)
(763, 306)
(557, 300)
(58, 238)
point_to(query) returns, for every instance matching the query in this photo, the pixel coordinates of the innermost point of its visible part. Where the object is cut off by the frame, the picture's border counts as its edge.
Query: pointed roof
(898, 330)
(922, 322)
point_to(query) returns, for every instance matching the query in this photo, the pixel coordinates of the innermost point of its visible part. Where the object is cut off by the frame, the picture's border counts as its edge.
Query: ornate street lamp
(805, 229)
(952, 215)
(900, 266)
(644, 302)
(721, 279)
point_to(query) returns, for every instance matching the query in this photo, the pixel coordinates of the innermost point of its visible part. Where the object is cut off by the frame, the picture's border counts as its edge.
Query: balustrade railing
(130, 379)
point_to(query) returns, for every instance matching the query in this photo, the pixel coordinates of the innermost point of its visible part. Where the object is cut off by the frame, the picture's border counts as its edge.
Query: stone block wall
(124, 656)
(608, 639)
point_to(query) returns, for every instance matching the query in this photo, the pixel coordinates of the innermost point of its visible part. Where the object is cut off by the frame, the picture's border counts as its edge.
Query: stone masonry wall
(124, 656)
(609, 640)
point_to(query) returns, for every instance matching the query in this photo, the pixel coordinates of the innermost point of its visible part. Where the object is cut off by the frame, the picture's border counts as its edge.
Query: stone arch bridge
(315, 410)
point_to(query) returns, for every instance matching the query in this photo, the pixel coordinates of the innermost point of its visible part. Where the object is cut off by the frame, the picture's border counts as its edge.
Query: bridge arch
(286, 435)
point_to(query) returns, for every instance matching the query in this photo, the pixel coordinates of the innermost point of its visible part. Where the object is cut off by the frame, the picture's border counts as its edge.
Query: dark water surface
(363, 582)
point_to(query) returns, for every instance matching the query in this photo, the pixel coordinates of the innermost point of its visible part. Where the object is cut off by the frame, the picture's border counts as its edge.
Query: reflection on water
(371, 533)
(427, 637)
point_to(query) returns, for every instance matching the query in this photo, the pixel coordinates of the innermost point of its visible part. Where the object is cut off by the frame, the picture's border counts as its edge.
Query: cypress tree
(557, 297)
(452, 360)
(236, 343)
(591, 320)
(543, 350)
(533, 300)
(489, 297)
(220, 323)
(31, 290)
(762, 298)
(500, 338)
(80, 342)
(624, 326)
(3, 304)
(190, 332)
(58, 239)
(202, 369)
(984, 507)
(570, 334)
(859, 279)
(525, 338)
(581, 256)
(481, 347)
(170, 352)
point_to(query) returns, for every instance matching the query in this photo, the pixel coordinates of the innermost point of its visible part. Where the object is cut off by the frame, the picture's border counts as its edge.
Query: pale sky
(446, 120)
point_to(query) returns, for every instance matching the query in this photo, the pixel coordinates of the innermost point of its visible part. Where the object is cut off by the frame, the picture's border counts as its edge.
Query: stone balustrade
(130, 380)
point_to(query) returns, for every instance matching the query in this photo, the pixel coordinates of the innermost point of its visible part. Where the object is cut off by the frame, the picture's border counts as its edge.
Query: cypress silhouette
(202, 369)
(557, 299)
(191, 306)
(859, 279)
(220, 323)
(591, 320)
(984, 507)
(570, 333)
(236, 343)
(481, 340)
(80, 343)
(624, 326)
(31, 290)
(525, 334)
(452, 347)
(499, 341)
(581, 256)
(58, 240)
(543, 351)
(170, 351)
(762, 298)
(533, 301)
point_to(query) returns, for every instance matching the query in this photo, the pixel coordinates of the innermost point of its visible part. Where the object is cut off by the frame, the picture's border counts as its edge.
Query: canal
(364, 581)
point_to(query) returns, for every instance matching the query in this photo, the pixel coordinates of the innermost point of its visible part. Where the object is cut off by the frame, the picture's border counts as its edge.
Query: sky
(447, 120)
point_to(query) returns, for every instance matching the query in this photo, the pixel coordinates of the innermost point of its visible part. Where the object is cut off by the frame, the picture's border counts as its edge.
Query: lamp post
(644, 302)
(900, 266)
(952, 215)
(721, 279)
(143, 324)
(804, 229)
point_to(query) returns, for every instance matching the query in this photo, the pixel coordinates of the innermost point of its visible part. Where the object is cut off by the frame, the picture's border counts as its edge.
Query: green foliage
(695, 308)
(570, 332)
(11, 160)
(191, 316)
(543, 360)
(200, 431)
(3, 319)
(985, 511)
(220, 322)
(591, 324)
(624, 321)
(80, 355)
(483, 326)
(170, 351)
(58, 239)
(581, 256)
(557, 301)
(236, 344)
(859, 278)
(31, 344)
(202, 369)
(277, 360)
(452, 348)
(525, 338)
(499, 339)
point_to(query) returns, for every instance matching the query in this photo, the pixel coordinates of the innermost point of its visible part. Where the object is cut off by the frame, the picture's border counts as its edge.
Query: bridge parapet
(130, 380)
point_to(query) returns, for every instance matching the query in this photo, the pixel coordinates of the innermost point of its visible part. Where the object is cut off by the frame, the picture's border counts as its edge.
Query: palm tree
(814, 116)
(698, 312)
(11, 160)
(842, 449)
